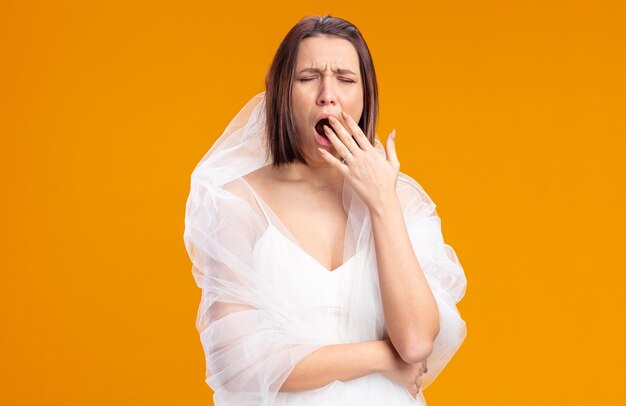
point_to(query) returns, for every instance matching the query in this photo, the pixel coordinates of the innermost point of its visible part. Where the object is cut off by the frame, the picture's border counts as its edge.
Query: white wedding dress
(267, 303)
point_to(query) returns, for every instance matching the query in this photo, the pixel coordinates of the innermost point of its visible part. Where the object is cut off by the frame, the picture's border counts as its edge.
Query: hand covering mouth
(319, 127)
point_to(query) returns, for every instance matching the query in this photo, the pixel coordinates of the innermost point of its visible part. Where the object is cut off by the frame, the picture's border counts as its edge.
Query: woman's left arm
(409, 307)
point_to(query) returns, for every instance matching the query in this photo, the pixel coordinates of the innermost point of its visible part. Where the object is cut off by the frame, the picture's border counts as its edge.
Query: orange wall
(510, 114)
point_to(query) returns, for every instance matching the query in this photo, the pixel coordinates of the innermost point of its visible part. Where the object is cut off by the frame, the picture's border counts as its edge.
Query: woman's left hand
(373, 177)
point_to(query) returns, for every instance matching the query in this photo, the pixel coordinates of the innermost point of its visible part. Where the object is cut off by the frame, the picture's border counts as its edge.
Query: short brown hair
(282, 143)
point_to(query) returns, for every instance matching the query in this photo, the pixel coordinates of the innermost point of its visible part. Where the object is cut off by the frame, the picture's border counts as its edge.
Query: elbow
(417, 352)
(418, 343)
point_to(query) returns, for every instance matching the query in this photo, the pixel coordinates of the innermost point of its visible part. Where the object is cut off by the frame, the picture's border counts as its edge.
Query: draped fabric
(258, 317)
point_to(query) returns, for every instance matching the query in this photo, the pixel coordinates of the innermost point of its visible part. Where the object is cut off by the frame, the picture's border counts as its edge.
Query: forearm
(338, 362)
(409, 307)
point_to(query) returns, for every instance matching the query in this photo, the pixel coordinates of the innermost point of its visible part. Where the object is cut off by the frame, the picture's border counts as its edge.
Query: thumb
(392, 155)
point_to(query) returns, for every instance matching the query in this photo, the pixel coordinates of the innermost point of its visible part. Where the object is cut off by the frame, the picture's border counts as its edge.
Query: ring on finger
(343, 158)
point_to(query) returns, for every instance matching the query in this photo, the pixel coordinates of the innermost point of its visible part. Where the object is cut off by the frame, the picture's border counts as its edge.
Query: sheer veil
(253, 337)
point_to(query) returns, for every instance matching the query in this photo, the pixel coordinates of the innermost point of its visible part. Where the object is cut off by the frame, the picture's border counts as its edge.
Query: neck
(318, 175)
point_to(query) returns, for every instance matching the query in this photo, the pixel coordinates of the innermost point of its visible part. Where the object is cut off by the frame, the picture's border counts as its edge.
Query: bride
(324, 275)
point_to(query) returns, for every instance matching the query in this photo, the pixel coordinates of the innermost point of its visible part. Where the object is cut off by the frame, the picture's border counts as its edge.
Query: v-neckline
(293, 242)
(309, 256)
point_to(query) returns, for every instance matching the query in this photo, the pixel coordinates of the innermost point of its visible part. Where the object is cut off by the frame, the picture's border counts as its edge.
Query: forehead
(327, 52)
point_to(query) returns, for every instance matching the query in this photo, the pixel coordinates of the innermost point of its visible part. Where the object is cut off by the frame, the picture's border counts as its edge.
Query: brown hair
(282, 143)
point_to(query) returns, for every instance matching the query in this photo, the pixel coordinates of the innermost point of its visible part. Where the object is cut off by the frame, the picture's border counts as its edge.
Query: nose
(327, 93)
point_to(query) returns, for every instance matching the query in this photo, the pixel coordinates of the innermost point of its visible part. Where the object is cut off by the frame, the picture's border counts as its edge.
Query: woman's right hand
(403, 373)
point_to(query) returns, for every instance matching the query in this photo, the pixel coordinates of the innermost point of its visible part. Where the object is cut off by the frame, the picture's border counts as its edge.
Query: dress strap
(259, 201)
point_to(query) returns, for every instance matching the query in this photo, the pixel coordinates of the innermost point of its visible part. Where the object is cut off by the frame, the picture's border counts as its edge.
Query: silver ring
(343, 158)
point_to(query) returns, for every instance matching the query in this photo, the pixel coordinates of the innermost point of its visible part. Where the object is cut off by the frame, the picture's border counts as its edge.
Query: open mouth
(319, 127)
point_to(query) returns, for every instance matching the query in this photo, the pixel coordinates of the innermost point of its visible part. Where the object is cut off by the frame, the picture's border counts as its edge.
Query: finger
(362, 140)
(344, 135)
(340, 147)
(334, 161)
(425, 366)
(392, 155)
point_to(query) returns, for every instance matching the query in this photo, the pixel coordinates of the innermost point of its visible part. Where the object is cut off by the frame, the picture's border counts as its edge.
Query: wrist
(385, 204)
(384, 356)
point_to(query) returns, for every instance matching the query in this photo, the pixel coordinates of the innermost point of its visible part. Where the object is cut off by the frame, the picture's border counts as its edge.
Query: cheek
(300, 111)
(296, 114)
(357, 111)
(356, 102)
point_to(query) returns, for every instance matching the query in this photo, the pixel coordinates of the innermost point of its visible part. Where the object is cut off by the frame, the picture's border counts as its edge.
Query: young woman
(325, 278)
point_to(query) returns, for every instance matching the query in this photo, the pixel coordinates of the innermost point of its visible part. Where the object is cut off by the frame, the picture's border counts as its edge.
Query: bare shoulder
(259, 179)
(262, 179)
(235, 187)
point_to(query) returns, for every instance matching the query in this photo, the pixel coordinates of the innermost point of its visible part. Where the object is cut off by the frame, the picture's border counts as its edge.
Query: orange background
(509, 114)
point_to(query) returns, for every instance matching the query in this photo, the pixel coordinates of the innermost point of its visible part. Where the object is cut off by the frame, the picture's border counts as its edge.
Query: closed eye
(343, 80)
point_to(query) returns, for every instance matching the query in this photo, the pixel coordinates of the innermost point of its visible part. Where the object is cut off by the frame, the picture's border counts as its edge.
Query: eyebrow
(338, 70)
